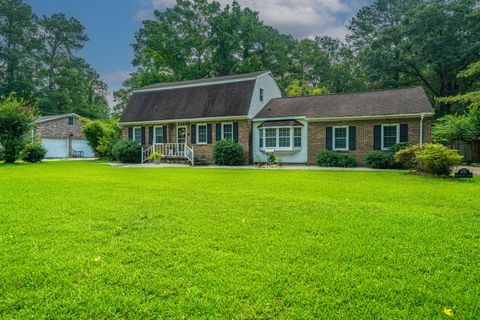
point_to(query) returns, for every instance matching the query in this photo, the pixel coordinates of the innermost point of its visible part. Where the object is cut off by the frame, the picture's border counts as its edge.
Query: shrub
(102, 136)
(328, 158)
(436, 159)
(227, 152)
(34, 152)
(407, 157)
(1, 154)
(346, 161)
(379, 160)
(127, 151)
(16, 121)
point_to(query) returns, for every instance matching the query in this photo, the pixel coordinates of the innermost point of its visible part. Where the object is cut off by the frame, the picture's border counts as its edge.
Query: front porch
(169, 151)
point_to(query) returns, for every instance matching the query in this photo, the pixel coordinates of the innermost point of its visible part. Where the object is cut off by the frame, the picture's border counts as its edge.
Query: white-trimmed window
(340, 138)
(297, 137)
(158, 135)
(390, 135)
(261, 94)
(137, 134)
(227, 130)
(270, 138)
(202, 134)
(71, 121)
(284, 137)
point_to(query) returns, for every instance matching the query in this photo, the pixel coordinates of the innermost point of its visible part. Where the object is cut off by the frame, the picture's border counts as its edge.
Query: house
(184, 119)
(61, 135)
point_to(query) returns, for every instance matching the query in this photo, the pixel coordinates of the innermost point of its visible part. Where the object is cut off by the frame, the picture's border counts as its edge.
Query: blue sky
(111, 24)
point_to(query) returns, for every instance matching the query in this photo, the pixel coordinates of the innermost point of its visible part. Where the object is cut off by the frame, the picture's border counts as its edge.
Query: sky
(111, 24)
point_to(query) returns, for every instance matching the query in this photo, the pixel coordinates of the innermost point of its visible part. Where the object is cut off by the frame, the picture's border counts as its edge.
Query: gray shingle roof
(214, 100)
(58, 116)
(370, 103)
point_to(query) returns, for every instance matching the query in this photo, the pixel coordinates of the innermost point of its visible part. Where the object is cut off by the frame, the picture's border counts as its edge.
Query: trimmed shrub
(346, 161)
(34, 152)
(127, 151)
(436, 159)
(328, 158)
(227, 152)
(379, 160)
(407, 157)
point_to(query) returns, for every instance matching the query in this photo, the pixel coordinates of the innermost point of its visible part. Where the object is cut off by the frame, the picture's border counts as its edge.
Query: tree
(415, 42)
(16, 122)
(18, 49)
(297, 89)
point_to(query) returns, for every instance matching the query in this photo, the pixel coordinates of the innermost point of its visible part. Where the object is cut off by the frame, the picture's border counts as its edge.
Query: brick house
(61, 135)
(184, 119)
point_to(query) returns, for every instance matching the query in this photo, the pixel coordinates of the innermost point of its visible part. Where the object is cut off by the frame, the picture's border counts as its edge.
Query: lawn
(85, 240)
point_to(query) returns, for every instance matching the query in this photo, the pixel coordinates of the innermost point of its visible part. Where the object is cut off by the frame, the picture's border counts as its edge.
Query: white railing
(146, 152)
(173, 151)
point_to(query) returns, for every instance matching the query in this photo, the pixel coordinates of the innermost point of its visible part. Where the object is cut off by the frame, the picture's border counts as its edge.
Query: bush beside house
(34, 152)
(328, 158)
(227, 152)
(127, 151)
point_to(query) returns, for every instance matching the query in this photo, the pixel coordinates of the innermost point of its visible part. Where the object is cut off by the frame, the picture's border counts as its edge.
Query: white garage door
(56, 148)
(82, 145)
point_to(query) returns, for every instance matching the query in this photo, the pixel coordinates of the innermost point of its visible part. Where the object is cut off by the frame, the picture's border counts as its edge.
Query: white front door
(181, 134)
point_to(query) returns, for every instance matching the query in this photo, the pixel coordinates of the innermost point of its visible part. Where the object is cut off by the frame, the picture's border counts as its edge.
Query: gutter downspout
(422, 115)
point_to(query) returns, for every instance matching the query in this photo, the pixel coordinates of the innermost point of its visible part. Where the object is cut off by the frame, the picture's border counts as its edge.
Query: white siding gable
(270, 91)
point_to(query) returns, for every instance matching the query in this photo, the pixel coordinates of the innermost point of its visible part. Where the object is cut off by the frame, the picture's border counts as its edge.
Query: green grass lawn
(85, 240)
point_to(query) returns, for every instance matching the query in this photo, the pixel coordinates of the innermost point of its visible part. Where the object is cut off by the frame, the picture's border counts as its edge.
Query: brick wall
(59, 129)
(205, 151)
(364, 130)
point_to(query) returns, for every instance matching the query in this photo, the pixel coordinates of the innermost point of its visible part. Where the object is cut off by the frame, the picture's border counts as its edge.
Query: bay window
(286, 138)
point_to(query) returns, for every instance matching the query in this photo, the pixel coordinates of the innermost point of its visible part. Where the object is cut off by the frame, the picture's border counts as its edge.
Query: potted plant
(156, 157)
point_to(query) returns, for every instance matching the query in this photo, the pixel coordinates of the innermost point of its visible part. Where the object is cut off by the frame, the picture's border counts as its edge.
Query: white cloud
(116, 77)
(299, 18)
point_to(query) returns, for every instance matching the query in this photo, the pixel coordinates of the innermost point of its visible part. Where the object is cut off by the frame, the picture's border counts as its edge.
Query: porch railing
(169, 151)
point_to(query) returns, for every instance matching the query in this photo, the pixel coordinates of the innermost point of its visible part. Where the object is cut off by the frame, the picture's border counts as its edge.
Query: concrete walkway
(284, 167)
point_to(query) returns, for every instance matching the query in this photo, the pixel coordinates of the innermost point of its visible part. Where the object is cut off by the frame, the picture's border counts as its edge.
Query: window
(158, 135)
(280, 137)
(227, 130)
(390, 135)
(137, 134)
(71, 121)
(261, 94)
(202, 134)
(284, 137)
(270, 138)
(340, 138)
(297, 137)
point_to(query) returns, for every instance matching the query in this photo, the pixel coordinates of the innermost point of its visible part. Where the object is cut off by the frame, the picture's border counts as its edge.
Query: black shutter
(218, 132)
(143, 136)
(377, 137)
(209, 133)
(404, 133)
(352, 138)
(130, 133)
(193, 135)
(150, 135)
(328, 138)
(235, 131)
(164, 134)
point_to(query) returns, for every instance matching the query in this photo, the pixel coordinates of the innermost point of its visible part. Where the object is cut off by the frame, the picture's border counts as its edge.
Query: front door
(181, 134)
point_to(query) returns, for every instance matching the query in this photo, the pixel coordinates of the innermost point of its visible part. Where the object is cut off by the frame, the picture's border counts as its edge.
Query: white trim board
(191, 120)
